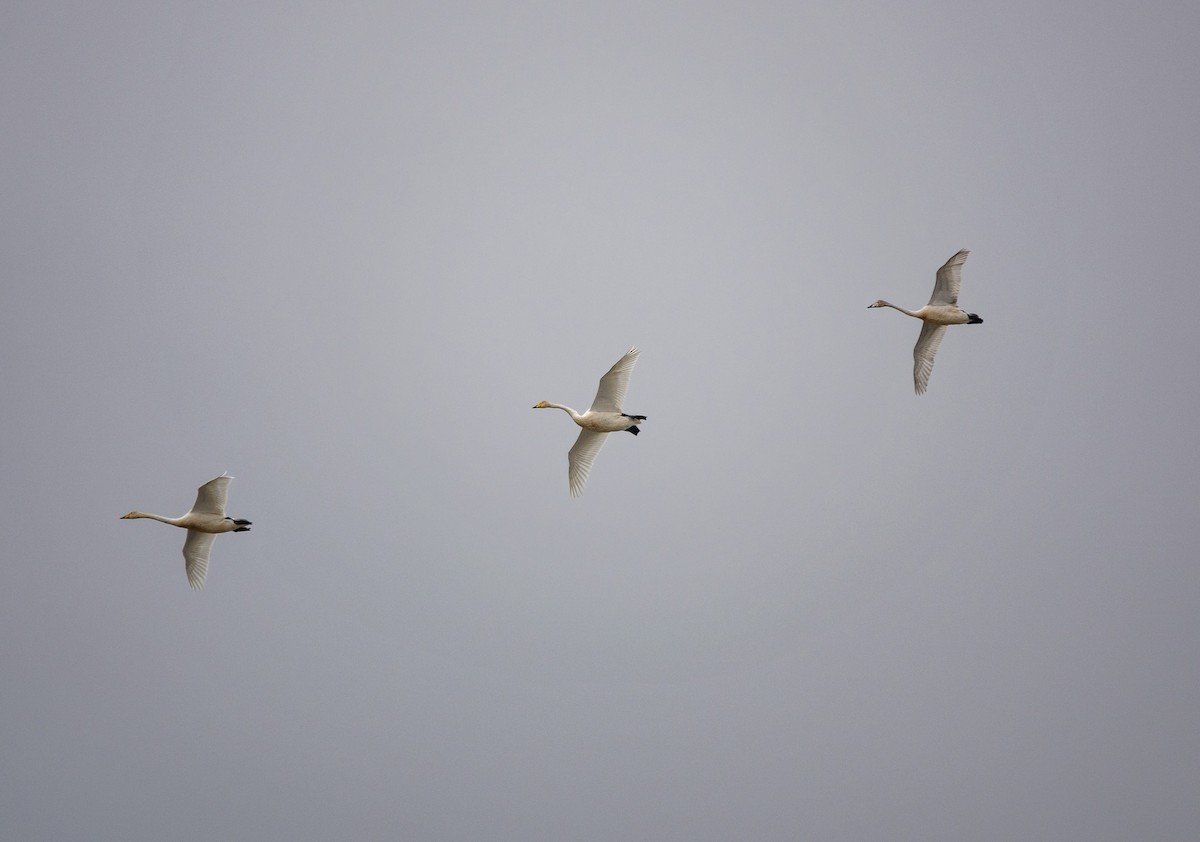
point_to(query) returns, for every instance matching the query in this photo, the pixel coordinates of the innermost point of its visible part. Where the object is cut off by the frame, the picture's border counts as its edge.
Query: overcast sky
(339, 251)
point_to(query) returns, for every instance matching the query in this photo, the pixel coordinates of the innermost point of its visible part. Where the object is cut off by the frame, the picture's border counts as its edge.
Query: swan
(604, 417)
(204, 522)
(942, 310)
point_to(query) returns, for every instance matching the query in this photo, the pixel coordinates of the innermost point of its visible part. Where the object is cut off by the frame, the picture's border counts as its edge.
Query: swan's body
(204, 522)
(942, 310)
(604, 417)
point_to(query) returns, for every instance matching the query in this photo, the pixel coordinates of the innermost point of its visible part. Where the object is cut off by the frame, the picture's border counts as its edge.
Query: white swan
(941, 310)
(604, 417)
(204, 522)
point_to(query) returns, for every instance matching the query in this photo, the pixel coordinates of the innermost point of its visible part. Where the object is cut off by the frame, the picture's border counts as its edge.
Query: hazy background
(340, 250)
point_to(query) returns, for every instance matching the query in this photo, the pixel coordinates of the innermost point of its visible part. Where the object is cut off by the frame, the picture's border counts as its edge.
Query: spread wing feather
(949, 280)
(924, 352)
(613, 385)
(195, 556)
(211, 497)
(580, 458)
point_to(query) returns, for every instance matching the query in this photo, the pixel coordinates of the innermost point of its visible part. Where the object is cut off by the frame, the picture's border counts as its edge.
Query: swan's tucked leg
(242, 522)
(634, 417)
(632, 429)
(242, 529)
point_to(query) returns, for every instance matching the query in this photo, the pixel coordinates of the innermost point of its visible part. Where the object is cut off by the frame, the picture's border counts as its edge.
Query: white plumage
(204, 522)
(942, 310)
(604, 417)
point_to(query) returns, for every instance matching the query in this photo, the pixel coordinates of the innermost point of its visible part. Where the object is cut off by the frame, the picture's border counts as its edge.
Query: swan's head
(879, 303)
(131, 515)
(541, 405)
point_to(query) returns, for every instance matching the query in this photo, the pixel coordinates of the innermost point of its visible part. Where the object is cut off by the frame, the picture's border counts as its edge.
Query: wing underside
(211, 497)
(949, 280)
(924, 352)
(613, 385)
(580, 459)
(195, 556)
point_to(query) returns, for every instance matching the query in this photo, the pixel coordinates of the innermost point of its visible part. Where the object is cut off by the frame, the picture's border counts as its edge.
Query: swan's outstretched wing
(580, 458)
(195, 555)
(924, 352)
(611, 393)
(949, 279)
(210, 499)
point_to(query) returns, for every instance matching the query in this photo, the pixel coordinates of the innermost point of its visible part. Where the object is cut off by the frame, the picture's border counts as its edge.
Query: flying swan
(604, 417)
(204, 522)
(941, 310)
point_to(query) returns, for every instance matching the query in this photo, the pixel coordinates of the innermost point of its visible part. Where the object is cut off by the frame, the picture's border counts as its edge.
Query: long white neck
(174, 521)
(574, 415)
(901, 309)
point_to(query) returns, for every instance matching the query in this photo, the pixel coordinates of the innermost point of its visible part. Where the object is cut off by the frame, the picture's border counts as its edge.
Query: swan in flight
(604, 417)
(942, 310)
(204, 522)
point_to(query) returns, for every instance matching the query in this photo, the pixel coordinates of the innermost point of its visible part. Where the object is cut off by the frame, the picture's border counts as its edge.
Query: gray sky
(341, 250)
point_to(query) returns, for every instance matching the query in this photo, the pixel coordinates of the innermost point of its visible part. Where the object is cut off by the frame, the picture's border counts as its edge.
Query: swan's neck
(575, 415)
(902, 310)
(174, 521)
